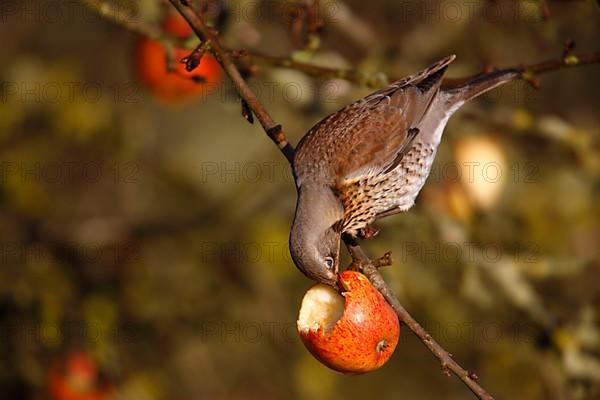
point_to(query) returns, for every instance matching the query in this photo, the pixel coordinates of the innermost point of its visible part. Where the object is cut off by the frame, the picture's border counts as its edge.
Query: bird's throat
(318, 208)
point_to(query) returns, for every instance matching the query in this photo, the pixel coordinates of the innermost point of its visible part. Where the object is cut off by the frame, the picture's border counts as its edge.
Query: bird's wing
(371, 135)
(384, 124)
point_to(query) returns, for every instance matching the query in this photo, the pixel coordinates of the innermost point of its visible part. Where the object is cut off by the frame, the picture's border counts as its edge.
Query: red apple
(355, 332)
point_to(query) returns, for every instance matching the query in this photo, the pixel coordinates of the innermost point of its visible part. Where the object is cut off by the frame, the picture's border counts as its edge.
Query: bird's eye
(328, 262)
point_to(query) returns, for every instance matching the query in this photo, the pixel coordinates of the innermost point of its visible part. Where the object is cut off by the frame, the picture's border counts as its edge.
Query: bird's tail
(478, 85)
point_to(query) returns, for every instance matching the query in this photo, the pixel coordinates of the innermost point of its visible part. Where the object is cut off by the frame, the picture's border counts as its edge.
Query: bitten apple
(355, 332)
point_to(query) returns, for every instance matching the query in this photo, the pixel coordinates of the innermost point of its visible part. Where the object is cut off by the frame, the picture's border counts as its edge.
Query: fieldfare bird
(370, 160)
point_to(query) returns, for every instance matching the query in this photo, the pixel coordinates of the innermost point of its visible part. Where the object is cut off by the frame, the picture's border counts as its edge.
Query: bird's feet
(367, 232)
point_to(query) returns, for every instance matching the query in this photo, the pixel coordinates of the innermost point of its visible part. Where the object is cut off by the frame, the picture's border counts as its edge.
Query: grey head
(315, 236)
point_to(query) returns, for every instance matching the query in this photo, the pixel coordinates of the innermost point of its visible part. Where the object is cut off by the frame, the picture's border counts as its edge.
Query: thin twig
(383, 261)
(370, 80)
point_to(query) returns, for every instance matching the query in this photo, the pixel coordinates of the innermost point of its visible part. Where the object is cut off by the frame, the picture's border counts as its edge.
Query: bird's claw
(367, 233)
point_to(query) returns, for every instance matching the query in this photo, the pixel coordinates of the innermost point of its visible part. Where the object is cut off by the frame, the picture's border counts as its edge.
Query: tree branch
(370, 80)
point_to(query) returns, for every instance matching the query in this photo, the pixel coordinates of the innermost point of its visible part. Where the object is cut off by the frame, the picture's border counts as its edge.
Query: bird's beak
(334, 282)
(338, 284)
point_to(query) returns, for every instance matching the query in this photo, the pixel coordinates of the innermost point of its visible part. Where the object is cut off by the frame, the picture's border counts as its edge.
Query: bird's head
(318, 259)
(315, 237)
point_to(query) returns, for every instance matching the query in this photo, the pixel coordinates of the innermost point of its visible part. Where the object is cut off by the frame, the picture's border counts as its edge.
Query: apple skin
(365, 336)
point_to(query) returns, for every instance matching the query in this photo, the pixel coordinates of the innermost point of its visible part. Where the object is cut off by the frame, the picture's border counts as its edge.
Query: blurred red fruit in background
(177, 85)
(76, 378)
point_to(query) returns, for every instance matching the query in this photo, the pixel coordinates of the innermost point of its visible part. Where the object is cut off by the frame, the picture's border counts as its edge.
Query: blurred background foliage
(144, 243)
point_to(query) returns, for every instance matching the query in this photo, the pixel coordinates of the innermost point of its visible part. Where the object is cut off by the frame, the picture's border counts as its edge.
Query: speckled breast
(364, 200)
